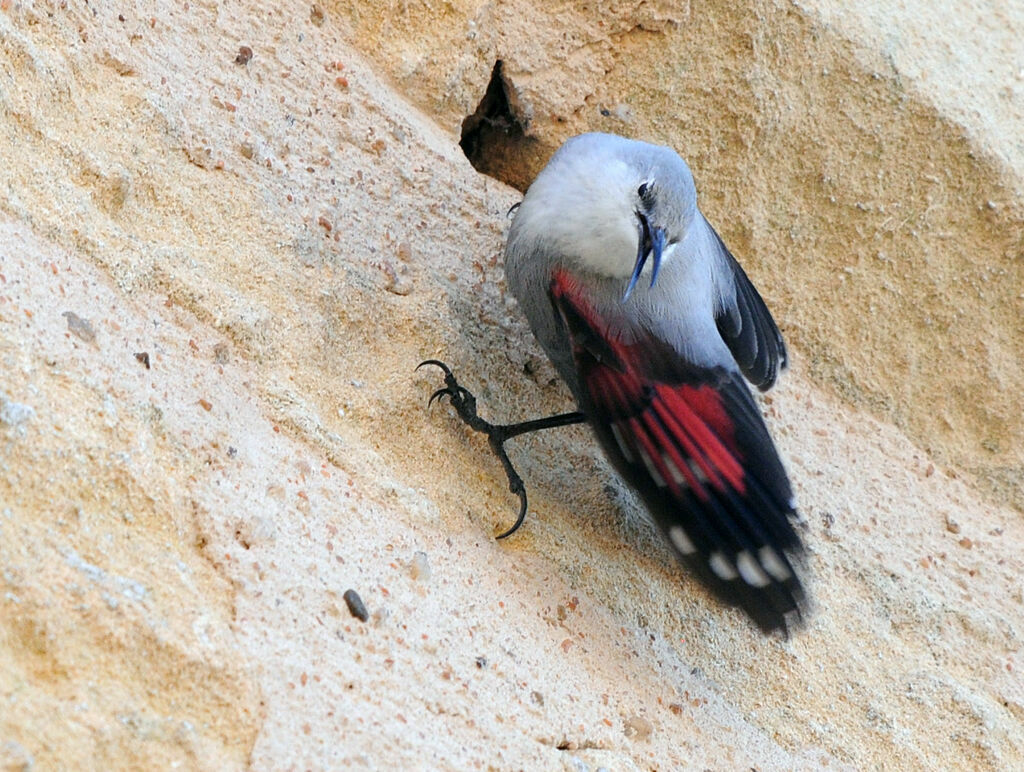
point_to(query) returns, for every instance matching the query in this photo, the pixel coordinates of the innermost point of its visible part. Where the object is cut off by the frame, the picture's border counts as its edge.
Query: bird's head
(611, 206)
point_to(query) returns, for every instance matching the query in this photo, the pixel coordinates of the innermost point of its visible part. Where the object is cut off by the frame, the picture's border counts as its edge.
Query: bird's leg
(497, 434)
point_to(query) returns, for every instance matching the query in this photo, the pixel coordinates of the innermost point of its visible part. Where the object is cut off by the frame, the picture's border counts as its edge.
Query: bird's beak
(651, 242)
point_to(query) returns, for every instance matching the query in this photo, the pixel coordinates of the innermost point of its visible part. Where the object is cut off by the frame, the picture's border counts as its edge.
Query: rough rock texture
(228, 232)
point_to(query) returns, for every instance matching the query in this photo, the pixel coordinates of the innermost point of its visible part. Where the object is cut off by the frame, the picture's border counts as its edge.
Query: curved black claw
(465, 405)
(520, 491)
(437, 395)
(455, 393)
(436, 363)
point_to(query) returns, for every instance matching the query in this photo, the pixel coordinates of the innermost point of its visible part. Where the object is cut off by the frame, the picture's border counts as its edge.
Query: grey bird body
(564, 221)
(655, 363)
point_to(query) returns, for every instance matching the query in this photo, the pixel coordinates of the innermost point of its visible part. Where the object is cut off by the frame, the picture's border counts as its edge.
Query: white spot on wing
(623, 446)
(698, 472)
(722, 567)
(774, 564)
(751, 572)
(674, 470)
(652, 470)
(681, 540)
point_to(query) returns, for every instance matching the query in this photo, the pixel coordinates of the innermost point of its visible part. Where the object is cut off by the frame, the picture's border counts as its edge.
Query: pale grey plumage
(579, 214)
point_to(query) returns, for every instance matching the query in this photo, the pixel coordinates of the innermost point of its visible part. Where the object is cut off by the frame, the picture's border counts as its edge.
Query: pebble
(355, 605)
(79, 327)
(419, 567)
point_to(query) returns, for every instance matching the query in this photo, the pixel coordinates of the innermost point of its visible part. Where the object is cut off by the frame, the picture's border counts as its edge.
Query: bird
(655, 327)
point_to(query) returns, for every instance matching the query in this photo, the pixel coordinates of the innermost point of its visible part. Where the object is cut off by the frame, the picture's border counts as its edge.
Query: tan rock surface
(286, 237)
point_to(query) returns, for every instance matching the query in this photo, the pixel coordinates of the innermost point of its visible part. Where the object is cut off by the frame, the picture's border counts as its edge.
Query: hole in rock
(494, 137)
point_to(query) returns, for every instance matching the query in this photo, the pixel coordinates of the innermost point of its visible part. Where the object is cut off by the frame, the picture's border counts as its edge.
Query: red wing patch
(693, 444)
(681, 432)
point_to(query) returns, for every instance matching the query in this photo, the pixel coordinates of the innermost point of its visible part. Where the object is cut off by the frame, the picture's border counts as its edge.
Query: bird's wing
(745, 323)
(692, 442)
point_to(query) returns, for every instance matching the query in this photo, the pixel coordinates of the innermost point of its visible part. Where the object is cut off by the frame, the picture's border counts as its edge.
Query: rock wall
(228, 233)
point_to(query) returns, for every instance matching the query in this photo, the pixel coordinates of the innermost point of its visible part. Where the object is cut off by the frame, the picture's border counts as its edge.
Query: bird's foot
(465, 405)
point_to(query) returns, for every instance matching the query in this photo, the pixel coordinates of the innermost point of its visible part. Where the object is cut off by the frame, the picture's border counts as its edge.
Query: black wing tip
(767, 587)
(783, 609)
(784, 625)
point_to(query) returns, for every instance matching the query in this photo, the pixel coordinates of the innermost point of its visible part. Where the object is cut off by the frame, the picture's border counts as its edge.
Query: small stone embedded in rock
(638, 727)
(255, 530)
(143, 357)
(355, 605)
(79, 327)
(244, 55)
(399, 280)
(419, 567)
(14, 413)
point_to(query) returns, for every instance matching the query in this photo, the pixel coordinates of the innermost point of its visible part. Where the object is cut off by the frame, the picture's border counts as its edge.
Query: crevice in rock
(494, 137)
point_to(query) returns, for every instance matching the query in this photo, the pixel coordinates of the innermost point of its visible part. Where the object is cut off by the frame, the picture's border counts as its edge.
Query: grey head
(609, 206)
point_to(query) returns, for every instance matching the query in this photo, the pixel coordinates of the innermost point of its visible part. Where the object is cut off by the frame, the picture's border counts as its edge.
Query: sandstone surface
(229, 232)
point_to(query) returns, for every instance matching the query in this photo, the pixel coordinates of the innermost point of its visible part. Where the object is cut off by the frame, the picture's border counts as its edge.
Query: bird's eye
(644, 190)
